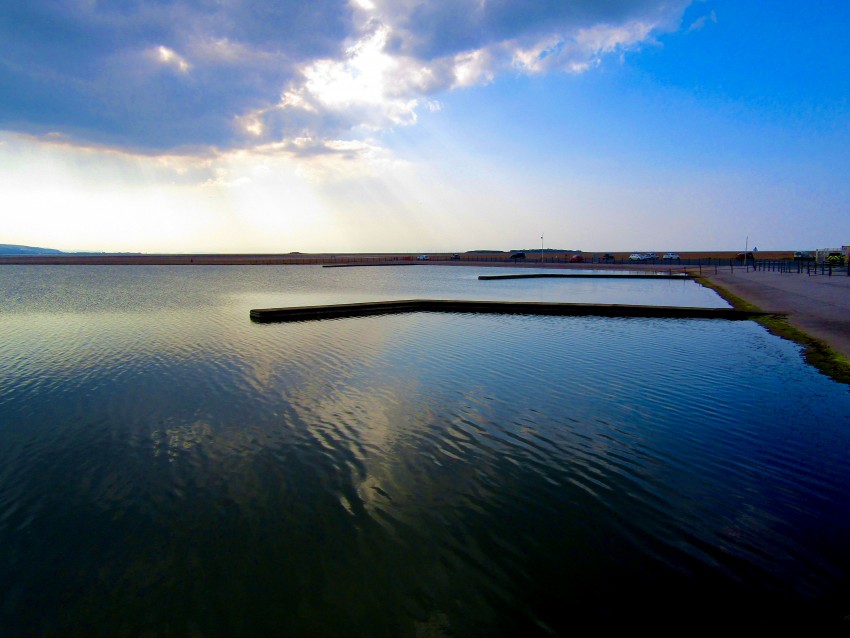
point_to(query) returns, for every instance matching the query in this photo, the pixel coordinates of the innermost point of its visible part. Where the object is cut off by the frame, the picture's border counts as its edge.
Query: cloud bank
(191, 76)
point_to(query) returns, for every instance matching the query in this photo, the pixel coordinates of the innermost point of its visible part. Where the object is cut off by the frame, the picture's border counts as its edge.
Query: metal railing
(810, 268)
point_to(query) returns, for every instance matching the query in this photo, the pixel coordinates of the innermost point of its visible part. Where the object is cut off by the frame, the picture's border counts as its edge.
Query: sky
(334, 126)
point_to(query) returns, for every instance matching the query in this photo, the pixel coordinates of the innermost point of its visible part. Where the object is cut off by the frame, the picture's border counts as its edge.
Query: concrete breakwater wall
(659, 275)
(308, 313)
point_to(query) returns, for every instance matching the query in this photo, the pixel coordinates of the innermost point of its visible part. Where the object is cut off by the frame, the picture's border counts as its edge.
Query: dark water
(168, 468)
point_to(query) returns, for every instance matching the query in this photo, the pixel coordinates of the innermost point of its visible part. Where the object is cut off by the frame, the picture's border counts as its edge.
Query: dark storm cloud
(156, 75)
(100, 70)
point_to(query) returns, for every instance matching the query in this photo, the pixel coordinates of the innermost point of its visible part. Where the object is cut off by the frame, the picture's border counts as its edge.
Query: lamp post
(541, 249)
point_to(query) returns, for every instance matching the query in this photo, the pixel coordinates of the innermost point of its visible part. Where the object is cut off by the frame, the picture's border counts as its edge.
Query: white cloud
(399, 59)
(265, 71)
(699, 23)
(366, 5)
(222, 50)
(168, 57)
(474, 67)
(358, 78)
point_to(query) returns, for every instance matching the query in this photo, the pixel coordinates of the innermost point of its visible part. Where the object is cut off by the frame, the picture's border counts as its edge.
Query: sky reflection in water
(169, 467)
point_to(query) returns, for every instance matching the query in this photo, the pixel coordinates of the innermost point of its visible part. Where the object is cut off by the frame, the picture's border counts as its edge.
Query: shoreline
(812, 311)
(815, 310)
(553, 259)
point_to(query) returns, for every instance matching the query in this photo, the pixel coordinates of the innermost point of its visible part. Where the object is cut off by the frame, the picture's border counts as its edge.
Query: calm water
(169, 468)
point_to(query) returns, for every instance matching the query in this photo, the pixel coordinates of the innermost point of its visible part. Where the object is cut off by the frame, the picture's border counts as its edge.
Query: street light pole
(541, 249)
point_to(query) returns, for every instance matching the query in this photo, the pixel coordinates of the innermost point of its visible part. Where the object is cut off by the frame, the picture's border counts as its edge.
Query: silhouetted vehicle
(804, 256)
(743, 256)
(577, 259)
(455, 256)
(517, 256)
(835, 258)
(607, 257)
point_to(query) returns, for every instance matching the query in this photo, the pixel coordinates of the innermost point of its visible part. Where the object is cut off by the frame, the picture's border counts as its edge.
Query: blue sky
(399, 125)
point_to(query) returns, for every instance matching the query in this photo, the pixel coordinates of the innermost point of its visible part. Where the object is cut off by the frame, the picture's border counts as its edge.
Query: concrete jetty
(591, 276)
(381, 263)
(338, 311)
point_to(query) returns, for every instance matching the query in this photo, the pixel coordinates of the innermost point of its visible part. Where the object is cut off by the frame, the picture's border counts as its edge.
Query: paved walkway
(817, 304)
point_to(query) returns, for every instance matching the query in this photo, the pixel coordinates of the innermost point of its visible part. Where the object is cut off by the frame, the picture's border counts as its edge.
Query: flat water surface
(169, 468)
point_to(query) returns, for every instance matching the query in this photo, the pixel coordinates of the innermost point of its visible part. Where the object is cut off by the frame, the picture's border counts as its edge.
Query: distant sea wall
(349, 258)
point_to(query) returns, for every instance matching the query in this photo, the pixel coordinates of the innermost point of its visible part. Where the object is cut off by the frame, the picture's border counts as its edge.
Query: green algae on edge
(815, 351)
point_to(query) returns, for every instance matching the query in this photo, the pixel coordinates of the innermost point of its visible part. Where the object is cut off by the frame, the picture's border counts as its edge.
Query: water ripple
(472, 475)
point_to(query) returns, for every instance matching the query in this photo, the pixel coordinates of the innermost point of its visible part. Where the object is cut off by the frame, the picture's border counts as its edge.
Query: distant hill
(537, 251)
(13, 249)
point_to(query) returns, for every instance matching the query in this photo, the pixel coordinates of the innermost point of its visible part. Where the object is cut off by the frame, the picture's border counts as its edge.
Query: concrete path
(817, 304)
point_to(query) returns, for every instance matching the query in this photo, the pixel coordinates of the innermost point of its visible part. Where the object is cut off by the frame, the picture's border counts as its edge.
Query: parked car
(607, 257)
(517, 256)
(422, 257)
(650, 256)
(456, 256)
(835, 258)
(636, 257)
(671, 256)
(742, 256)
(802, 255)
(577, 259)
